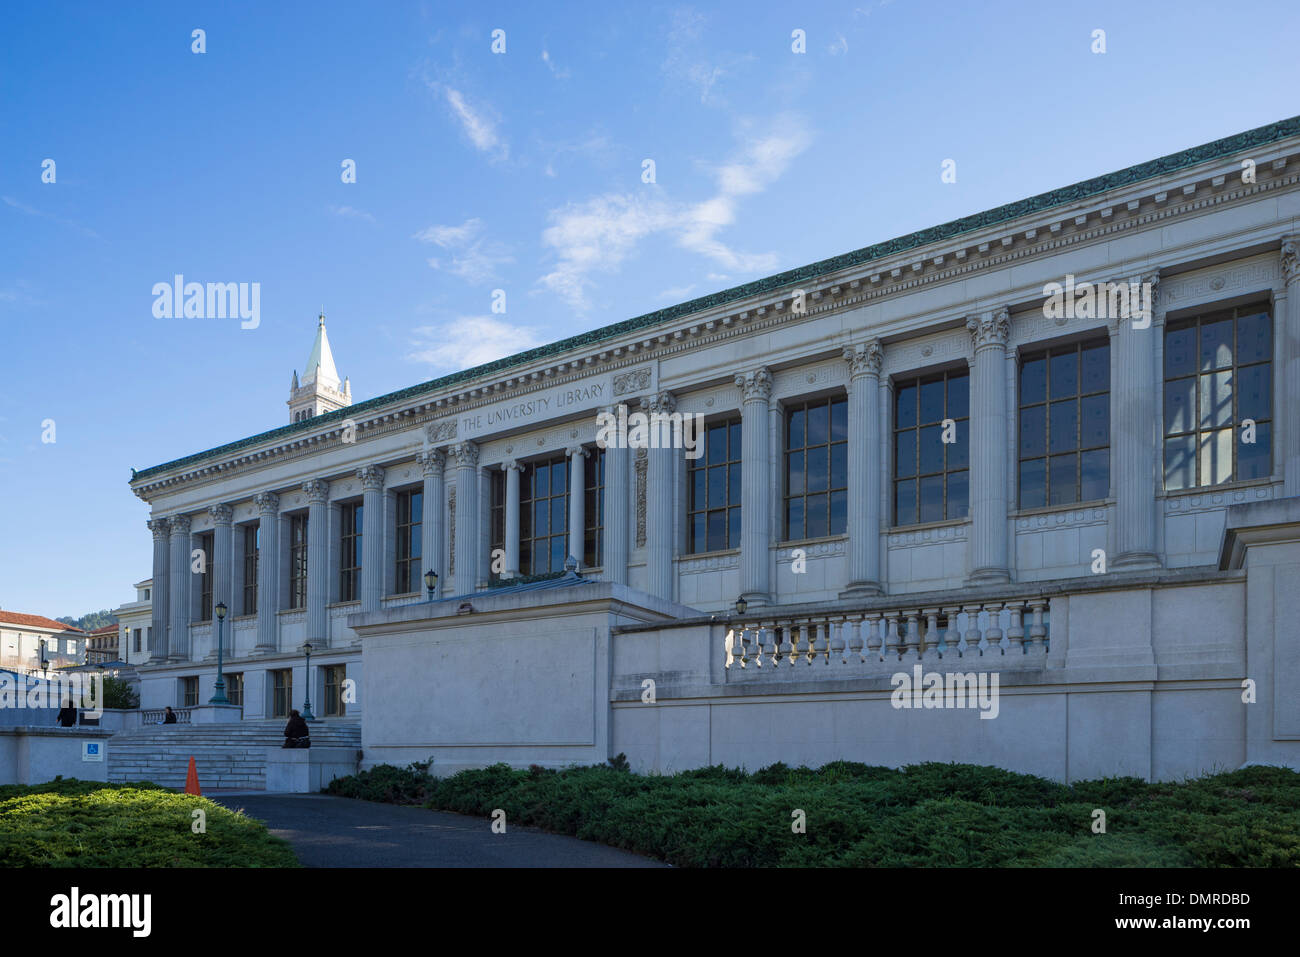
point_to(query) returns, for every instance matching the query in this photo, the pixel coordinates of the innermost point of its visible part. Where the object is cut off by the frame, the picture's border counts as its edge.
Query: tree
(118, 694)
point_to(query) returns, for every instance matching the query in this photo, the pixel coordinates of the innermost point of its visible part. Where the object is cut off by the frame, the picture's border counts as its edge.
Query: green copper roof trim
(1057, 197)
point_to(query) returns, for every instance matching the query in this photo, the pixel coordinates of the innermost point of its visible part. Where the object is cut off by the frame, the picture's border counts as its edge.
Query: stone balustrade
(155, 715)
(1001, 635)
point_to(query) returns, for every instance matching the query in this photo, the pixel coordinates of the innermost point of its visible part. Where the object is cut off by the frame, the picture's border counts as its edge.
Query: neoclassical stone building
(912, 454)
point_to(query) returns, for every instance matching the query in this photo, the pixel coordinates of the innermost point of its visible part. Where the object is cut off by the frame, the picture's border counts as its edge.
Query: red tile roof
(35, 621)
(106, 631)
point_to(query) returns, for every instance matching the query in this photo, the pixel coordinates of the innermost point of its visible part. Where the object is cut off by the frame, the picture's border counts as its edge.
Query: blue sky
(478, 171)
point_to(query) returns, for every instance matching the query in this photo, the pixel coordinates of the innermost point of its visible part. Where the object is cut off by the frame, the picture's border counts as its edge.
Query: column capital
(864, 359)
(511, 465)
(180, 524)
(660, 402)
(221, 514)
(573, 450)
(1290, 258)
(318, 491)
(159, 528)
(465, 454)
(992, 329)
(431, 461)
(756, 385)
(372, 478)
(268, 503)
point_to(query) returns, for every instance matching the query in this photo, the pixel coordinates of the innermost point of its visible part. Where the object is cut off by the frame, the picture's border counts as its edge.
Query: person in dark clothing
(169, 716)
(67, 715)
(296, 734)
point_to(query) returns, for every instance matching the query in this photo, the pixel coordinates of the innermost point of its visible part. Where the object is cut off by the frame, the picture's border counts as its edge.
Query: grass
(73, 823)
(925, 815)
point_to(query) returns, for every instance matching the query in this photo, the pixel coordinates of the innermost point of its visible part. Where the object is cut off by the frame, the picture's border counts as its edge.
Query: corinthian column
(1288, 444)
(432, 462)
(178, 638)
(268, 569)
(160, 590)
(865, 362)
(465, 455)
(372, 535)
(659, 505)
(222, 515)
(755, 498)
(988, 447)
(513, 469)
(616, 520)
(577, 502)
(318, 494)
(1138, 433)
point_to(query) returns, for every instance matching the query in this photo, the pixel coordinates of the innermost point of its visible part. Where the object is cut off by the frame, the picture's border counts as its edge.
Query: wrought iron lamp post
(219, 697)
(306, 694)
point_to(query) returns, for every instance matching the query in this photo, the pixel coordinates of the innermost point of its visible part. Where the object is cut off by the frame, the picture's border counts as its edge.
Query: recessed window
(281, 692)
(410, 508)
(1064, 444)
(816, 469)
(298, 561)
(189, 692)
(713, 481)
(251, 547)
(931, 459)
(350, 521)
(207, 543)
(593, 508)
(1218, 400)
(235, 688)
(334, 676)
(544, 516)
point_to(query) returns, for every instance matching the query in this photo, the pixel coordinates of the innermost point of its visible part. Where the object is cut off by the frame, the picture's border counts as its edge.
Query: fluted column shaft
(513, 469)
(178, 637)
(577, 502)
(372, 536)
(222, 567)
(1288, 443)
(433, 463)
(988, 434)
(659, 506)
(1138, 437)
(755, 511)
(161, 589)
(318, 491)
(465, 455)
(865, 447)
(615, 545)
(268, 572)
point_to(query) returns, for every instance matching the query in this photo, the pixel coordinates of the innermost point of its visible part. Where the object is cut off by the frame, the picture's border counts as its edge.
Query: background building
(31, 644)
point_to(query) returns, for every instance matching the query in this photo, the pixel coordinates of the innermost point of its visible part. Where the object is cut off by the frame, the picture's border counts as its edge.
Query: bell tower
(320, 390)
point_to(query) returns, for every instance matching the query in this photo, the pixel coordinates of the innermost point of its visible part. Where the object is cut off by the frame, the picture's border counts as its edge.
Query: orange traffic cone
(192, 779)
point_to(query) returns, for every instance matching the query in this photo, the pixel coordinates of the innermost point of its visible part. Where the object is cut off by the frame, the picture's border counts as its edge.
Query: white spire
(319, 390)
(320, 364)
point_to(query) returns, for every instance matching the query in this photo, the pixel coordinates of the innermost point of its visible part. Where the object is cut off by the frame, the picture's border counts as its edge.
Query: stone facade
(825, 494)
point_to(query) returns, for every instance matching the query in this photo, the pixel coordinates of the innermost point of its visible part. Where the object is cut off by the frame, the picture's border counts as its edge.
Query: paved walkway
(328, 831)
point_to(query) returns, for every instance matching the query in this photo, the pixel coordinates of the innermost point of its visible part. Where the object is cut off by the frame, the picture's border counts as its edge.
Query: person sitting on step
(296, 734)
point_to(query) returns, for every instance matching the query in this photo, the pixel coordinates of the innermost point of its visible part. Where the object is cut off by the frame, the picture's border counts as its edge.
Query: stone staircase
(226, 756)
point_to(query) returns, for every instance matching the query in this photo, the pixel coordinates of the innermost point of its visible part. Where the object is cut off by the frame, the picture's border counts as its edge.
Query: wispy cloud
(478, 121)
(692, 62)
(557, 72)
(474, 257)
(33, 211)
(839, 46)
(468, 341)
(351, 212)
(600, 233)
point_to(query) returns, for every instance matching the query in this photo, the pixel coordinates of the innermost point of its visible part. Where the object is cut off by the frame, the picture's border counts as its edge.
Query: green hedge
(925, 815)
(72, 823)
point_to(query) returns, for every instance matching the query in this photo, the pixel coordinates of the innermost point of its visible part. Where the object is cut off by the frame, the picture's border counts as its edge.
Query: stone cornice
(1135, 198)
